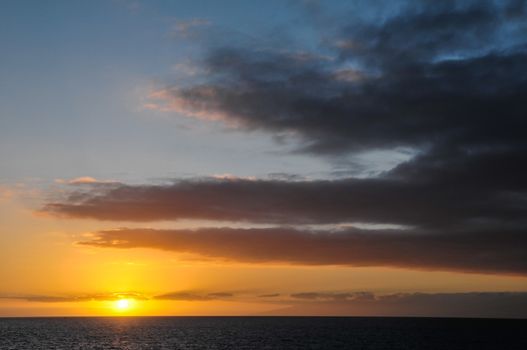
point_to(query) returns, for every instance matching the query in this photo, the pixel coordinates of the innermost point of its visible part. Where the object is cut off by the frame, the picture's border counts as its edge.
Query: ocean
(261, 333)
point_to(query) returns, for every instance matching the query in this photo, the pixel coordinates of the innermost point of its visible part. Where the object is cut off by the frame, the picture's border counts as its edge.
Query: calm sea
(261, 333)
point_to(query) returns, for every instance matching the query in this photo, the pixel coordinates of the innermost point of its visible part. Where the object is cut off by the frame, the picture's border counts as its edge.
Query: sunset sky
(363, 158)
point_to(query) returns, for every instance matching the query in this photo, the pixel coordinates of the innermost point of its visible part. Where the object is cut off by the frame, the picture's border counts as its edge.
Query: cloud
(271, 295)
(461, 304)
(181, 295)
(75, 298)
(471, 304)
(189, 28)
(78, 180)
(433, 73)
(410, 106)
(25, 191)
(83, 180)
(446, 80)
(485, 252)
(418, 193)
(355, 296)
(6, 193)
(220, 295)
(193, 296)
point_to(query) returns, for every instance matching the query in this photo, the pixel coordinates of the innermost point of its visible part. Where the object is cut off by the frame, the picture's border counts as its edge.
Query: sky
(351, 158)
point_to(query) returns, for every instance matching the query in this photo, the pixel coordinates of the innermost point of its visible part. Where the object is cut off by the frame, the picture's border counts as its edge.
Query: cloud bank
(446, 79)
(485, 252)
(75, 298)
(470, 304)
(194, 296)
(493, 305)
(433, 74)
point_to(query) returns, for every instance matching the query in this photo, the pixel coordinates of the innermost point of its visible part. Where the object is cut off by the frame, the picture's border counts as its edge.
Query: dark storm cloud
(425, 31)
(439, 72)
(489, 251)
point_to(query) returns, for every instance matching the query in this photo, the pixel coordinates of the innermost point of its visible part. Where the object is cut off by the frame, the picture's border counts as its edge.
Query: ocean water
(261, 333)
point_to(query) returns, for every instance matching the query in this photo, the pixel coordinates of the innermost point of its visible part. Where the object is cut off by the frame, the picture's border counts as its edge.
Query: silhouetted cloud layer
(447, 79)
(463, 304)
(75, 298)
(486, 252)
(194, 296)
(474, 304)
(180, 295)
(433, 73)
(411, 194)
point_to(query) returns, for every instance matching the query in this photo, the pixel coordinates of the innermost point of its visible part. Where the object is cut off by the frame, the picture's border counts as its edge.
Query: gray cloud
(271, 295)
(180, 295)
(433, 73)
(346, 296)
(447, 79)
(193, 296)
(417, 193)
(484, 252)
(463, 304)
(471, 304)
(75, 298)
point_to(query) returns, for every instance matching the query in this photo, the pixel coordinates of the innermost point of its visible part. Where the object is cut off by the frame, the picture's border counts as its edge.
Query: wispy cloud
(271, 295)
(75, 298)
(189, 28)
(463, 304)
(82, 180)
(472, 304)
(6, 193)
(194, 296)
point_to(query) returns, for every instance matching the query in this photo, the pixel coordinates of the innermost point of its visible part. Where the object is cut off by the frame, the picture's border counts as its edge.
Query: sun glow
(123, 304)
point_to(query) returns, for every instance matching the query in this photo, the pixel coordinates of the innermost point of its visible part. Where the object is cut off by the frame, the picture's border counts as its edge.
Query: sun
(123, 304)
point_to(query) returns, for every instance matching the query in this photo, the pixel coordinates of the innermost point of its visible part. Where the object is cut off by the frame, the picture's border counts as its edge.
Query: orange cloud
(82, 180)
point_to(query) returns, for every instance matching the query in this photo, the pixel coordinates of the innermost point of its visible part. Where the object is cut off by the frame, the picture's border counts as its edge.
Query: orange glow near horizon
(127, 282)
(123, 305)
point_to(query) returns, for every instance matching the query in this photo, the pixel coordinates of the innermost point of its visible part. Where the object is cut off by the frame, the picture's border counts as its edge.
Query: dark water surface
(261, 333)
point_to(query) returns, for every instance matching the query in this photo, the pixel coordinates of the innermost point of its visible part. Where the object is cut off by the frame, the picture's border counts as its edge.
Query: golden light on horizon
(122, 305)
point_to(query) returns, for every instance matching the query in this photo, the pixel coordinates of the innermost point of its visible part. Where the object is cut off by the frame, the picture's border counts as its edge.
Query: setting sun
(253, 174)
(123, 304)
